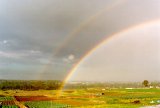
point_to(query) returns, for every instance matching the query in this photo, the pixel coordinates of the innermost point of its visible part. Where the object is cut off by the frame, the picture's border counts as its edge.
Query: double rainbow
(140, 26)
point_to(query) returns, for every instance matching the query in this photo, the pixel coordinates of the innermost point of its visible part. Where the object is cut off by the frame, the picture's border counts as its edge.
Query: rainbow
(109, 38)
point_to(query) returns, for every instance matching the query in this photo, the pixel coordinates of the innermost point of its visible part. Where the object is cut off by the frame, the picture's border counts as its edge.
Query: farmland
(83, 98)
(78, 95)
(8, 102)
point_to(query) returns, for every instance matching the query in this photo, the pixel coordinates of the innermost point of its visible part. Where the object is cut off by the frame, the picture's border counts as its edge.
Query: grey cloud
(36, 29)
(43, 24)
(123, 16)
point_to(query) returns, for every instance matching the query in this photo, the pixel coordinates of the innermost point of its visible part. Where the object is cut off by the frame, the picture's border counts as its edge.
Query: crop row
(46, 104)
(32, 98)
(7, 103)
(6, 98)
(11, 106)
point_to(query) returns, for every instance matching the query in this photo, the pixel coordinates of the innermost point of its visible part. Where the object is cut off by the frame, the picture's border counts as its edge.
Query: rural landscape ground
(82, 95)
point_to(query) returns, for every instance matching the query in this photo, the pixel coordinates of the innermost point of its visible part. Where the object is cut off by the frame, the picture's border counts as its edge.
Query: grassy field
(85, 98)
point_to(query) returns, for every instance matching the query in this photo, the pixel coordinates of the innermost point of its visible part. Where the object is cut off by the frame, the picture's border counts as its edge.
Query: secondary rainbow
(77, 30)
(85, 23)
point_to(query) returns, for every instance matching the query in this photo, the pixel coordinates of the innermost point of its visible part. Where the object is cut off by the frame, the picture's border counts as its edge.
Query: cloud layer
(34, 34)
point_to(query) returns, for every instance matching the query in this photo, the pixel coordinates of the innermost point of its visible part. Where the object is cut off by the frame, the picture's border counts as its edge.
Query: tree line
(55, 84)
(85, 85)
(30, 84)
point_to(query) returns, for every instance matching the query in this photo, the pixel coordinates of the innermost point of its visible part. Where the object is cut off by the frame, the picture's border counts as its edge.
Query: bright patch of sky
(130, 56)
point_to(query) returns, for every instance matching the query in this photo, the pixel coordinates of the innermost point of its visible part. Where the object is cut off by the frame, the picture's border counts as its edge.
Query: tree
(145, 83)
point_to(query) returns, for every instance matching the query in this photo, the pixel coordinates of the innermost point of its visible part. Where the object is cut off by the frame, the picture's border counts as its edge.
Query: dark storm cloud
(31, 31)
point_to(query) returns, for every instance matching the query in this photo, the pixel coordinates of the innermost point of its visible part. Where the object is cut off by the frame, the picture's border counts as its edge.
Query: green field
(11, 106)
(7, 98)
(45, 104)
(89, 98)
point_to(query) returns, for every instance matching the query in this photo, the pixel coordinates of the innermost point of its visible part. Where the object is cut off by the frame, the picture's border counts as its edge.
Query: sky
(132, 55)
(43, 39)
